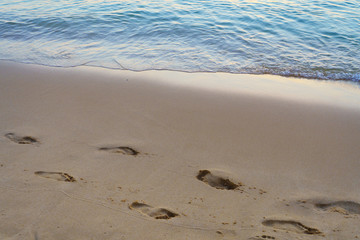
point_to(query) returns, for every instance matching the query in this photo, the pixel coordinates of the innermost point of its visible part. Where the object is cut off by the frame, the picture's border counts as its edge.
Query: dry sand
(89, 153)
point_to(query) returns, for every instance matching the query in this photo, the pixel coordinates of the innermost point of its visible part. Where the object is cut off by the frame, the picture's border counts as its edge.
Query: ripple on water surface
(313, 39)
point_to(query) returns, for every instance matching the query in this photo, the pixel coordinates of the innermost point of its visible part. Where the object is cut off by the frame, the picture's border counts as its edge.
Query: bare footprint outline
(262, 237)
(290, 225)
(120, 149)
(157, 213)
(21, 139)
(216, 181)
(350, 207)
(59, 176)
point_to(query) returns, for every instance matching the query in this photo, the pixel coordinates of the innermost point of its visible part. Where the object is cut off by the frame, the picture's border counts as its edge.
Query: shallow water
(303, 38)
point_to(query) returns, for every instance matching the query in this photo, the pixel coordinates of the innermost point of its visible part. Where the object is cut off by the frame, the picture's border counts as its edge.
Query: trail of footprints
(217, 180)
(220, 181)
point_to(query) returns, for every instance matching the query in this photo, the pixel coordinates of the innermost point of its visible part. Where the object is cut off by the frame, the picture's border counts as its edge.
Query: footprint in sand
(344, 207)
(121, 149)
(21, 139)
(59, 176)
(262, 237)
(157, 213)
(290, 225)
(217, 181)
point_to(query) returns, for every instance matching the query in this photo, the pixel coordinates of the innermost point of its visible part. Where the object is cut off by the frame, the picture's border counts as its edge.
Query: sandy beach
(91, 153)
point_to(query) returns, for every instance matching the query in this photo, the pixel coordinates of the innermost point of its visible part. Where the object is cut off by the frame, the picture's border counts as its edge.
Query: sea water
(302, 38)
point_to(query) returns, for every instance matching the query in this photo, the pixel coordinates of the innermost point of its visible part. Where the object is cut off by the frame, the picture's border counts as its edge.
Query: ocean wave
(315, 75)
(307, 39)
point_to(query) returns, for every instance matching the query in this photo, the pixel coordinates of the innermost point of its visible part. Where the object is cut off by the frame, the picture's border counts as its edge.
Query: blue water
(302, 38)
